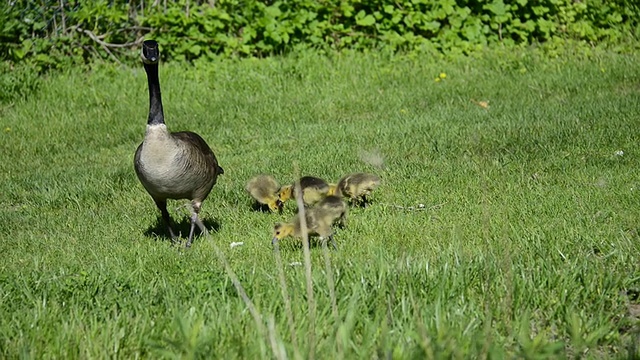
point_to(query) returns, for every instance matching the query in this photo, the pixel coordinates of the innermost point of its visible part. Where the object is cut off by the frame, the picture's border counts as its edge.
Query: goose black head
(150, 52)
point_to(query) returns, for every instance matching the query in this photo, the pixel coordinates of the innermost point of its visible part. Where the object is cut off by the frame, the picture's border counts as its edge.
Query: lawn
(506, 224)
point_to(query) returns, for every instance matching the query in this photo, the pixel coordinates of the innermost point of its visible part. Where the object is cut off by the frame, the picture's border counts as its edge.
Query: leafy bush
(57, 33)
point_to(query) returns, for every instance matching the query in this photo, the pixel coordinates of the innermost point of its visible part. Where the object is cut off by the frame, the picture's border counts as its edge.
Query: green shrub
(50, 35)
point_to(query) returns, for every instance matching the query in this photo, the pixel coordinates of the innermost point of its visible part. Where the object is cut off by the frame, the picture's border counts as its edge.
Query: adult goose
(177, 165)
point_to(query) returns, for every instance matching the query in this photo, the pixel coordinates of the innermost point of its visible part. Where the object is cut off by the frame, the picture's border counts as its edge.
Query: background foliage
(57, 33)
(36, 36)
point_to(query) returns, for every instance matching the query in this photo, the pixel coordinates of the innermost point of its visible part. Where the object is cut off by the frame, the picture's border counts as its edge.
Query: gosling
(319, 219)
(357, 187)
(177, 165)
(332, 207)
(313, 190)
(264, 190)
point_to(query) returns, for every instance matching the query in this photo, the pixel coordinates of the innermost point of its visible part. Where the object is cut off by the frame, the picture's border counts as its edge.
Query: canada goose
(177, 165)
(319, 219)
(357, 187)
(264, 189)
(313, 190)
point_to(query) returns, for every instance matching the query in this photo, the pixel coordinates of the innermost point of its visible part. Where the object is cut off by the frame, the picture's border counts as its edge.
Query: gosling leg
(333, 242)
(342, 220)
(162, 205)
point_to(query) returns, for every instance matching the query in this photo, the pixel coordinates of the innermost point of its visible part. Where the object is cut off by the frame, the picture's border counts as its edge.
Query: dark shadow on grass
(290, 244)
(263, 208)
(181, 228)
(257, 207)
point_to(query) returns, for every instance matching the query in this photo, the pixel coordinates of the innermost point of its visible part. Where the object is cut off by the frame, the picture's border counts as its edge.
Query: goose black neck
(156, 115)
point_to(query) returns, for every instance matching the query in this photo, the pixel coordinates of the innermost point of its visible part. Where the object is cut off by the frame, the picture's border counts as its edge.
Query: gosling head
(276, 205)
(281, 231)
(285, 193)
(150, 52)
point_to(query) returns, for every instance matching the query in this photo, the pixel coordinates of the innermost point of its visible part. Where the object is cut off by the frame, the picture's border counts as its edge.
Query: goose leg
(196, 210)
(195, 220)
(162, 205)
(201, 226)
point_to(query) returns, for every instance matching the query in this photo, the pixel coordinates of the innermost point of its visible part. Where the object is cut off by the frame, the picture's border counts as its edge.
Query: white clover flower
(619, 153)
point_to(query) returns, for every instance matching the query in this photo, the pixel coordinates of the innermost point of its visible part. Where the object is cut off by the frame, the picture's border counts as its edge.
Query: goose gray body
(169, 165)
(175, 165)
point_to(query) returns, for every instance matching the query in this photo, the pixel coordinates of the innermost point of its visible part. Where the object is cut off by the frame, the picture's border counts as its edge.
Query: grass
(527, 244)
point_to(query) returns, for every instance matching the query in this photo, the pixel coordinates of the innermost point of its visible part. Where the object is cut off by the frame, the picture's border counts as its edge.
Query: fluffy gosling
(313, 190)
(319, 219)
(264, 190)
(357, 187)
(332, 207)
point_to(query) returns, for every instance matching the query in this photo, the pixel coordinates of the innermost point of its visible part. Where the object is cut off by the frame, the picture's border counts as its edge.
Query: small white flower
(236, 244)
(295, 263)
(619, 153)
(421, 206)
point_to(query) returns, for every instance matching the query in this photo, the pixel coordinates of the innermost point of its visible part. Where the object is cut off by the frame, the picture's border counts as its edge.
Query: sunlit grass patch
(507, 230)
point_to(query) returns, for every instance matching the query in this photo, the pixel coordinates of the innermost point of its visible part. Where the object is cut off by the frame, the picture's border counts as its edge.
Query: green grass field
(526, 244)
